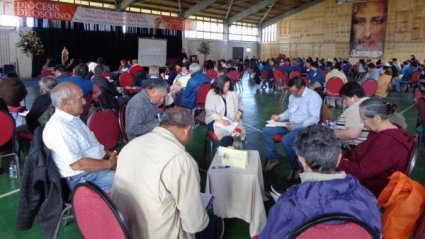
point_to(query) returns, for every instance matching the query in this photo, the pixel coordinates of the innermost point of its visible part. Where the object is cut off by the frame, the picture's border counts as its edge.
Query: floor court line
(408, 108)
(9, 193)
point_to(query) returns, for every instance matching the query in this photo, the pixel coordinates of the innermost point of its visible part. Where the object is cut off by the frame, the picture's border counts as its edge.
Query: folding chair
(96, 214)
(7, 132)
(105, 126)
(370, 86)
(201, 97)
(121, 121)
(319, 227)
(333, 87)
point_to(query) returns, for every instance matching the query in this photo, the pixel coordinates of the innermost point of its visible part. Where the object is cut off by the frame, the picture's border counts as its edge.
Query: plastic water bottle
(12, 170)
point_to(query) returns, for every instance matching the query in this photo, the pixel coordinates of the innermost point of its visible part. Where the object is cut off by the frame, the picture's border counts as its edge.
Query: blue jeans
(287, 143)
(398, 82)
(103, 179)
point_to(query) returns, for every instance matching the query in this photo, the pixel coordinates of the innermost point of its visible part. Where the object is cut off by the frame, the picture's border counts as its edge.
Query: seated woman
(384, 82)
(222, 108)
(385, 151)
(351, 129)
(322, 189)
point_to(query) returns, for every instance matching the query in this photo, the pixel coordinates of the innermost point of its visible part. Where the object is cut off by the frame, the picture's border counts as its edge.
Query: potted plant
(204, 49)
(30, 43)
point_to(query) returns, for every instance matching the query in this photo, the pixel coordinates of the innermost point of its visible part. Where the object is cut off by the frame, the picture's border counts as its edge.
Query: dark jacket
(374, 160)
(189, 94)
(40, 105)
(309, 200)
(41, 190)
(107, 97)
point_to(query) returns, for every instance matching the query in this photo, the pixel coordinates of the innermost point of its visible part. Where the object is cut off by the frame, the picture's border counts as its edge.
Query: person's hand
(113, 158)
(224, 122)
(275, 117)
(238, 116)
(289, 126)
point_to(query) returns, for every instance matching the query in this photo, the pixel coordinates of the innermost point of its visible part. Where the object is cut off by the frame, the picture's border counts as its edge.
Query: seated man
(142, 112)
(158, 190)
(108, 93)
(78, 78)
(315, 75)
(322, 189)
(407, 77)
(351, 129)
(75, 150)
(303, 110)
(190, 92)
(371, 74)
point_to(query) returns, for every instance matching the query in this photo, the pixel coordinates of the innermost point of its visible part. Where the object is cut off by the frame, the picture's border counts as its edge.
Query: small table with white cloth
(239, 192)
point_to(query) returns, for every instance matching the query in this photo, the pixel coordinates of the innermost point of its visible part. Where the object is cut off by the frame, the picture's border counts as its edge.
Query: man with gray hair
(158, 190)
(323, 190)
(190, 92)
(75, 150)
(142, 114)
(42, 108)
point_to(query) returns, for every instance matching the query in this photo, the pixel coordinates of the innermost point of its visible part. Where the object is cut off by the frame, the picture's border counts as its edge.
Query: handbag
(403, 200)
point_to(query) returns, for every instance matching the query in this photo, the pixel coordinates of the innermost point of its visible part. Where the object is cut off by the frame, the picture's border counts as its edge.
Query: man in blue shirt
(80, 71)
(315, 76)
(407, 77)
(303, 110)
(190, 92)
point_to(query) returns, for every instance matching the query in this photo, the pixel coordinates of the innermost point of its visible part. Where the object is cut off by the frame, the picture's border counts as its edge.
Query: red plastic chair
(86, 107)
(46, 72)
(324, 72)
(96, 214)
(294, 74)
(126, 80)
(333, 87)
(135, 69)
(7, 132)
(211, 74)
(105, 127)
(370, 86)
(264, 75)
(350, 227)
(121, 121)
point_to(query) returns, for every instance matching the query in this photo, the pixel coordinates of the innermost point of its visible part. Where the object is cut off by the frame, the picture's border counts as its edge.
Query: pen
(218, 167)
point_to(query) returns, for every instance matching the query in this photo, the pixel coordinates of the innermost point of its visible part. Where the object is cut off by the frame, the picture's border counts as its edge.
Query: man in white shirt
(303, 110)
(75, 150)
(157, 183)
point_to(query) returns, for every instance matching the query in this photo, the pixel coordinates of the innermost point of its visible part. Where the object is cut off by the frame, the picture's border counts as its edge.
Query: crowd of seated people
(374, 145)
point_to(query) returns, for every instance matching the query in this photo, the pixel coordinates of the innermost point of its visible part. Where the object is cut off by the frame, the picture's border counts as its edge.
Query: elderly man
(190, 92)
(158, 190)
(322, 189)
(142, 114)
(75, 150)
(303, 110)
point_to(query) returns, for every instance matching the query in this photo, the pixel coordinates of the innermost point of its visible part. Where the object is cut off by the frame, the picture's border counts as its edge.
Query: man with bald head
(75, 150)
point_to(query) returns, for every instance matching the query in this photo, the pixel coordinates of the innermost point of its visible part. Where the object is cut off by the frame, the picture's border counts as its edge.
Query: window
(269, 33)
(10, 21)
(204, 28)
(243, 32)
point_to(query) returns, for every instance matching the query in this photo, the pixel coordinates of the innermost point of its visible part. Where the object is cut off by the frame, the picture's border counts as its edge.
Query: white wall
(13, 54)
(219, 49)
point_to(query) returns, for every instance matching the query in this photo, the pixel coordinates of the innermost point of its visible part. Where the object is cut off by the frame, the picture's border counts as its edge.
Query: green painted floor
(258, 108)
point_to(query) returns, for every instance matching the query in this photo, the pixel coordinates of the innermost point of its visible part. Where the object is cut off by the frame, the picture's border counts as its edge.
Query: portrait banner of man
(368, 27)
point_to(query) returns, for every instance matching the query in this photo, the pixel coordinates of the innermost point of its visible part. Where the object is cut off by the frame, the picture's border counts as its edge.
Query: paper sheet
(272, 123)
(229, 128)
(233, 157)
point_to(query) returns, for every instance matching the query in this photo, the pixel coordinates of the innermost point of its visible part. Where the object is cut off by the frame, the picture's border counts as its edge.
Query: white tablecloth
(239, 192)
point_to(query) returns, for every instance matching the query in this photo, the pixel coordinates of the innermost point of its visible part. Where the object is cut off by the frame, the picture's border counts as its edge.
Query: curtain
(5, 46)
(86, 42)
